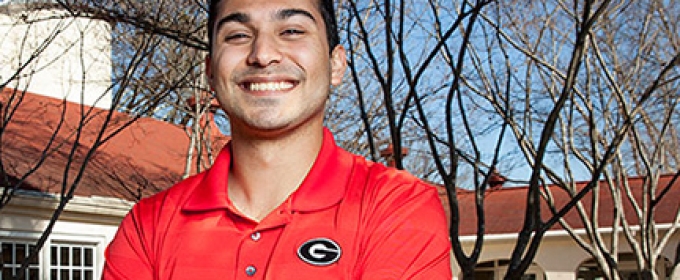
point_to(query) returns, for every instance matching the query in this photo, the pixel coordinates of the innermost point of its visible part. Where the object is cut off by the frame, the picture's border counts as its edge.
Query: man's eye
(292, 32)
(236, 36)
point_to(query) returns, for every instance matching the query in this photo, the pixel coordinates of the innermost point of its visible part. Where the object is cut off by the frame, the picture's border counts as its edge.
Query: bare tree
(617, 105)
(611, 131)
(564, 91)
(568, 91)
(41, 34)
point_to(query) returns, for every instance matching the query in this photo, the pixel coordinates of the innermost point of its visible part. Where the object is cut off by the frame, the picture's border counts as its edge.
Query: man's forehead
(274, 8)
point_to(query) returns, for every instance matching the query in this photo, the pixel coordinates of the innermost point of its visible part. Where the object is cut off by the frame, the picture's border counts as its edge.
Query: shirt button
(255, 236)
(250, 270)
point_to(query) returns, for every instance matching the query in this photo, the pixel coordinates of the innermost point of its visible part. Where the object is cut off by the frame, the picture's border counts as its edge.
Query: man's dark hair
(325, 7)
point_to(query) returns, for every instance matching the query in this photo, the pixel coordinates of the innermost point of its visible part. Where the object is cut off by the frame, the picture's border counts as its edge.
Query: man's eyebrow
(288, 13)
(280, 15)
(234, 17)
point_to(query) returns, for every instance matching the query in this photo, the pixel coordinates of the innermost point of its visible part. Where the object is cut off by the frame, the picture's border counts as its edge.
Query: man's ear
(338, 65)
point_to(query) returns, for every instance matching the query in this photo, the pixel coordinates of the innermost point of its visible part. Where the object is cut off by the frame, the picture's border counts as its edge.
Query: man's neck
(264, 173)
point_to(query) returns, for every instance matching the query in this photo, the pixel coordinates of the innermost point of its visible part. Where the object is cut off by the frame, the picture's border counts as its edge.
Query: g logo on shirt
(319, 252)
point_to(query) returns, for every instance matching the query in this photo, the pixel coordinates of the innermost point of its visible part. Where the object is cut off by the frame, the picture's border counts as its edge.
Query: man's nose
(264, 52)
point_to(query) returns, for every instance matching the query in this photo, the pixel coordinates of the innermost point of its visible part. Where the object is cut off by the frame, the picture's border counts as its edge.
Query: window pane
(20, 253)
(64, 275)
(76, 275)
(486, 264)
(7, 253)
(89, 257)
(89, 275)
(53, 256)
(64, 256)
(33, 274)
(34, 260)
(53, 274)
(7, 273)
(77, 256)
(483, 275)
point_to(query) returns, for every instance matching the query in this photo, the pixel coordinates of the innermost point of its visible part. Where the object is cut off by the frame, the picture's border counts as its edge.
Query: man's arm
(409, 238)
(127, 256)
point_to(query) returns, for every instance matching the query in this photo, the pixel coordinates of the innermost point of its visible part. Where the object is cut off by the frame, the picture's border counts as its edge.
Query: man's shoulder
(391, 200)
(385, 175)
(381, 181)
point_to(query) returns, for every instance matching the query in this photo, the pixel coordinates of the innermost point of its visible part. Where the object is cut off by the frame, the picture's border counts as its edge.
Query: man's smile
(268, 86)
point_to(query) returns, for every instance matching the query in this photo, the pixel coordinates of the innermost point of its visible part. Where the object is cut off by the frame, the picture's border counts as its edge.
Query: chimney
(496, 180)
(388, 155)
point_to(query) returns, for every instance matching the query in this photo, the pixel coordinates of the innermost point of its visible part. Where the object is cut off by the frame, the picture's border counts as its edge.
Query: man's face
(270, 65)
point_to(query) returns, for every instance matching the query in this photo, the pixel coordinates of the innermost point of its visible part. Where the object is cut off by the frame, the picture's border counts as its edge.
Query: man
(282, 201)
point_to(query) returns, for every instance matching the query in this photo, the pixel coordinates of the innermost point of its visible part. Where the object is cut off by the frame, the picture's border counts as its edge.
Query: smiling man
(282, 201)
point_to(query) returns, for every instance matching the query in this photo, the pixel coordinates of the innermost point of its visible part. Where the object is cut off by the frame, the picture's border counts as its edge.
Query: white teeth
(272, 86)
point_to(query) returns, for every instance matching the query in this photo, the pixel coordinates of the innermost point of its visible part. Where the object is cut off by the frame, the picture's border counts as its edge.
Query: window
(64, 261)
(484, 275)
(495, 270)
(72, 262)
(531, 276)
(13, 255)
(628, 269)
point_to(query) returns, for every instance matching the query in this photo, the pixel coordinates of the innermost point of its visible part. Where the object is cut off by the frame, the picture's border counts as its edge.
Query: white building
(559, 257)
(48, 57)
(144, 158)
(45, 50)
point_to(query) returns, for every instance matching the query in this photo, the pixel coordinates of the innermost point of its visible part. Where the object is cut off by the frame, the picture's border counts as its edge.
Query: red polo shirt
(349, 219)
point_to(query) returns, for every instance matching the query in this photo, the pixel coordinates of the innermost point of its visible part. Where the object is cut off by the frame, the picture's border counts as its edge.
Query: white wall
(86, 220)
(558, 256)
(75, 65)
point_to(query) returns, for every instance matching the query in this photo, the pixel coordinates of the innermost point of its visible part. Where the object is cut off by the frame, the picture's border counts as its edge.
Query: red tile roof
(150, 155)
(504, 207)
(147, 156)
